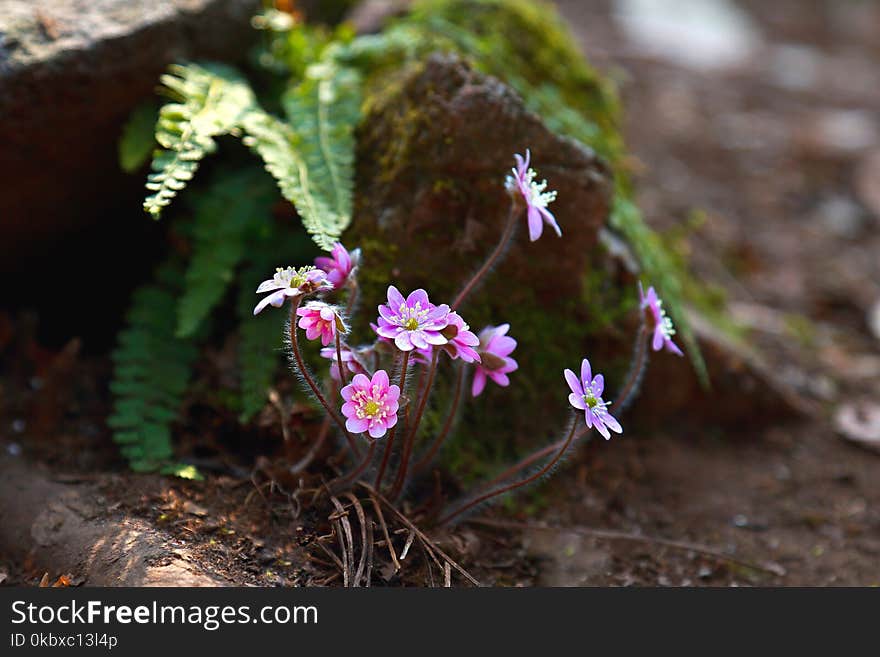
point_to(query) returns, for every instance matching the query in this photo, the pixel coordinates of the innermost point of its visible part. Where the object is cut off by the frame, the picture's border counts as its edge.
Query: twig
(406, 521)
(406, 546)
(378, 507)
(613, 535)
(346, 541)
(367, 547)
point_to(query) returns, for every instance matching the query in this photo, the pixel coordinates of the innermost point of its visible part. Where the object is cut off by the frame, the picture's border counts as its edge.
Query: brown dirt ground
(789, 230)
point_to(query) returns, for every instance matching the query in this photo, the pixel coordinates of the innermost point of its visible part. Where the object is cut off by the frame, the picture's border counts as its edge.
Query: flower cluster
(411, 333)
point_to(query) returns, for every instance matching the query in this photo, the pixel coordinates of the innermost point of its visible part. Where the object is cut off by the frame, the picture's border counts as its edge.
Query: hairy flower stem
(534, 457)
(342, 376)
(390, 442)
(358, 471)
(297, 355)
(640, 361)
(524, 482)
(493, 257)
(413, 429)
(444, 432)
(352, 298)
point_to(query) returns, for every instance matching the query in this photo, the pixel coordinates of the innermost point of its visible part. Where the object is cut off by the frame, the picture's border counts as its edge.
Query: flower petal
(536, 226)
(657, 342)
(357, 425)
(574, 383)
(380, 378)
(577, 401)
(402, 341)
(377, 429)
(395, 298)
(550, 220)
(268, 285)
(433, 337)
(479, 382)
(418, 296)
(598, 385)
(360, 382)
(612, 423)
(586, 372)
(275, 299)
(671, 346)
(418, 339)
(389, 315)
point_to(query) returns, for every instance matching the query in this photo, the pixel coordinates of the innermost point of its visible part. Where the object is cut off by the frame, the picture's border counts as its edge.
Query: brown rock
(70, 73)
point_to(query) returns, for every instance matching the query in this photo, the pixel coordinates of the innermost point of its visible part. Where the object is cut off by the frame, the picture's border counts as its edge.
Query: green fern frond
(324, 110)
(275, 142)
(151, 371)
(223, 213)
(210, 101)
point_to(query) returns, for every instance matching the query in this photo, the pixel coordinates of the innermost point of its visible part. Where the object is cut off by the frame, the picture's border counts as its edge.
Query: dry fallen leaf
(61, 582)
(860, 422)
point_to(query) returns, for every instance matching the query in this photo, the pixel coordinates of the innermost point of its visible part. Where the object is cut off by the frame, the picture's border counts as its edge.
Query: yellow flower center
(411, 324)
(371, 408)
(590, 400)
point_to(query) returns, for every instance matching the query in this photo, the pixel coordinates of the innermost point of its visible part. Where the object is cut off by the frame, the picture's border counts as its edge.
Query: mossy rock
(454, 89)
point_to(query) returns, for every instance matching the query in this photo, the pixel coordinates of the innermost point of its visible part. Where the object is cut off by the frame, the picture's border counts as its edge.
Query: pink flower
(319, 319)
(414, 322)
(495, 363)
(350, 361)
(461, 340)
(536, 199)
(658, 321)
(291, 283)
(586, 395)
(370, 405)
(340, 265)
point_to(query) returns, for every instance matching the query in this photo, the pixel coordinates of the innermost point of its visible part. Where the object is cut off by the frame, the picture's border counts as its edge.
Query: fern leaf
(151, 371)
(223, 214)
(274, 141)
(313, 163)
(323, 110)
(210, 100)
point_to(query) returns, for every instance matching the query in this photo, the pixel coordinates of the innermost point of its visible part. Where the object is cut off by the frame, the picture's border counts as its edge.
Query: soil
(775, 171)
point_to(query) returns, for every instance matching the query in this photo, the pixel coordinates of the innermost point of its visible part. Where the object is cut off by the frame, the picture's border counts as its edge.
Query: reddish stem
(506, 489)
(414, 428)
(294, 343)
(493, 257)
(444, 432)
(390, 442)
